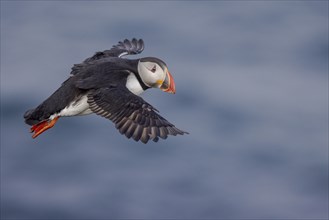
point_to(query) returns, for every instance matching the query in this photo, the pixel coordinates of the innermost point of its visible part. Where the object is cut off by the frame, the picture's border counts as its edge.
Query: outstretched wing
(121, 49)
(131, 114)
(126, 47)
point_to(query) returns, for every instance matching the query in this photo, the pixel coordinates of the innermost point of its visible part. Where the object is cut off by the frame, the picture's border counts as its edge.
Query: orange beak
(168, 84)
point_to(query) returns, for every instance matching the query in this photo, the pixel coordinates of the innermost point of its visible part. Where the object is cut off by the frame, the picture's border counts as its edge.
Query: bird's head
(154, 73)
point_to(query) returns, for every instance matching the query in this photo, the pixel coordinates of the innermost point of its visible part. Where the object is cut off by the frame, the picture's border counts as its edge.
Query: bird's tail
(44, 116)
(38, 125)
(29, 117)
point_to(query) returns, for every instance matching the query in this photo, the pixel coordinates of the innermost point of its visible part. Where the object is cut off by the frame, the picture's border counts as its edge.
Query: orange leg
(43, 126)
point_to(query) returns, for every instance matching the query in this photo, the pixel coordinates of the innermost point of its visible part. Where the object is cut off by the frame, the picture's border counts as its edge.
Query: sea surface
(252, 91)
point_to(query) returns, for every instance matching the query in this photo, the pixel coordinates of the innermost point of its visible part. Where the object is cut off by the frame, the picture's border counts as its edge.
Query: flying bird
(109, 85)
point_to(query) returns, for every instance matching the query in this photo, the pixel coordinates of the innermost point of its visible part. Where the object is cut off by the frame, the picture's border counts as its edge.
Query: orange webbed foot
(43, 126)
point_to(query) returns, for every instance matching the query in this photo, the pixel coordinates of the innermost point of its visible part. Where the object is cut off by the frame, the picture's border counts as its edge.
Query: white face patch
(133, 85)
(151, 73)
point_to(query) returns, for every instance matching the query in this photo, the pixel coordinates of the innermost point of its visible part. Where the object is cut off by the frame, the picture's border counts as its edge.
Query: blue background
(252, 90)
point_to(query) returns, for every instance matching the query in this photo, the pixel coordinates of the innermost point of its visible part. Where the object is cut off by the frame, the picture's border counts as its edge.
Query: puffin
(109, 85)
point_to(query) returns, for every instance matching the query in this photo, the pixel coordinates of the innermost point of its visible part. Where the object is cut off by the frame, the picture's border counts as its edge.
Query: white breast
(133, 85)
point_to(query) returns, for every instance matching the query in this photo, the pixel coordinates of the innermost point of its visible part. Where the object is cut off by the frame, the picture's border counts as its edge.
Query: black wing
(131, 114)
(126, 47)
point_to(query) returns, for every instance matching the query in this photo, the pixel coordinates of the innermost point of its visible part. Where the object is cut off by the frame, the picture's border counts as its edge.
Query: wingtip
(134, 46)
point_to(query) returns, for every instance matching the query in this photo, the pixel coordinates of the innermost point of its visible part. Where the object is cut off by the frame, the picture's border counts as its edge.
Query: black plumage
(102, 79)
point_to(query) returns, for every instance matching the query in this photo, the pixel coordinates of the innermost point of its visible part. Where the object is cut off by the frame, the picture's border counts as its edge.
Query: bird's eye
(153, 69)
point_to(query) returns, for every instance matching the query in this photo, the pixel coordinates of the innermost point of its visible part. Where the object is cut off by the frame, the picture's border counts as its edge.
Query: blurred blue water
(252, 90)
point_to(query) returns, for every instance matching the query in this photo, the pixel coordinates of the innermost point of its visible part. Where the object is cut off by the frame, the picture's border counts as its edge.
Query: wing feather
(121, 49)
(133, 117)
